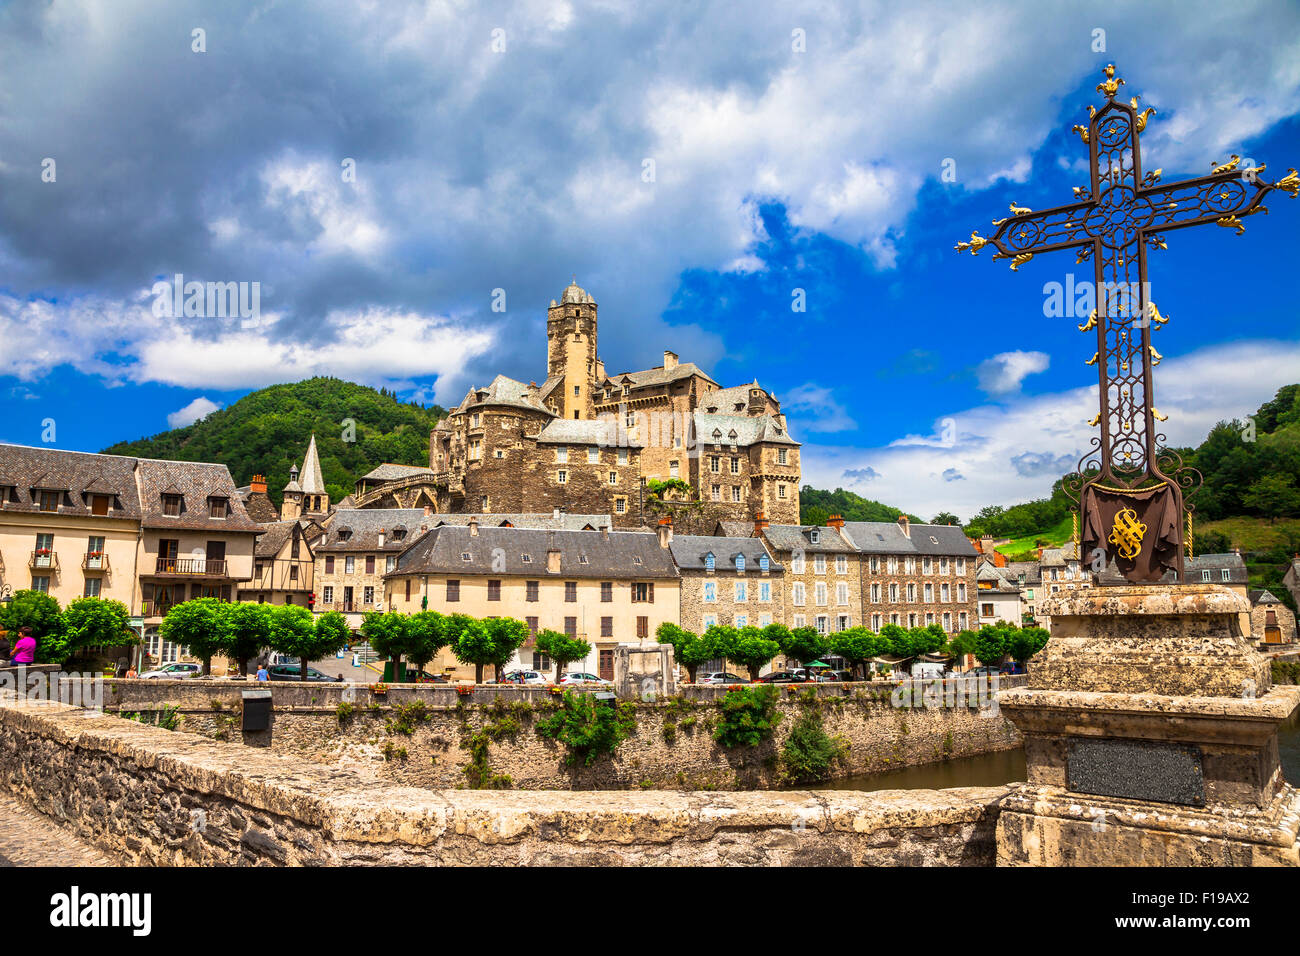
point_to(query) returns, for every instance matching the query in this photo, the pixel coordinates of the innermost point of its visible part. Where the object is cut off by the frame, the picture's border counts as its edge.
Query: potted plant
(379, 690)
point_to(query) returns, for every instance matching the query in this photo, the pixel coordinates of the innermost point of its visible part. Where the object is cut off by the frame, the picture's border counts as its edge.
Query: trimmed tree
(426, 635)
(247, 632)
(507, 635)
(40, 612)
(688, 649)
(293, 632)
(470, 642)
(721, 640)
(197, 624)
(1024, 642)
(753, 649)
(92, 621)
(332, 629)
(857, 645)
(990, 646)
(805, 645)
(386, 633)
(562, 649)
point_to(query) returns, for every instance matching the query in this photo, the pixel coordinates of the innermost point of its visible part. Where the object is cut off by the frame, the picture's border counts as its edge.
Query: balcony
(191, 567)
(94, 561)
(44, 559)
(156, 608)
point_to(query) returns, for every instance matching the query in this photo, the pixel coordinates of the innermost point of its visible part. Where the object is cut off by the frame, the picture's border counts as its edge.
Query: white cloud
(1003, 373)
(201, 407)
(1195, 391)
(815, 409)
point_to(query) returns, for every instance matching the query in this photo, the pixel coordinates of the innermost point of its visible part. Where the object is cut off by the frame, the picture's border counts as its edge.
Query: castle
(636, 445)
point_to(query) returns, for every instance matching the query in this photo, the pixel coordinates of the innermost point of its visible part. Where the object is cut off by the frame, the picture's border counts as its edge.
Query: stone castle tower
(572, 368)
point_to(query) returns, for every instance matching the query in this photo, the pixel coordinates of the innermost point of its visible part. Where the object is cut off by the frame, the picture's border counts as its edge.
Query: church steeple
(308, 498)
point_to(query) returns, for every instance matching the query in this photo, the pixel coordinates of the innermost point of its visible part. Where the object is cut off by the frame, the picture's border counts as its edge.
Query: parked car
(577, 677)
(723, 677)
(424, 677)
(1012, 668)
(177, 670)
(294, 672)
(781, 677)
(523, 677)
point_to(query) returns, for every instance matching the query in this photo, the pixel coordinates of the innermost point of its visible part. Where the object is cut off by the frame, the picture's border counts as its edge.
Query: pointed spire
(313, 482)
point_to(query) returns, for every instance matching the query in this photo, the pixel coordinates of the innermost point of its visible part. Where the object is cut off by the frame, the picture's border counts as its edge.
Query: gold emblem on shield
(1126, 534)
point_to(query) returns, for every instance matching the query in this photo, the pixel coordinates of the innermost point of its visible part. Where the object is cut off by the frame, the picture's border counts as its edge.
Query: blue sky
(506, 147)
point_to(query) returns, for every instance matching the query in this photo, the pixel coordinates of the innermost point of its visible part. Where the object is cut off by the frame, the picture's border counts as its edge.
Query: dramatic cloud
(201, 407)
(1002, 374)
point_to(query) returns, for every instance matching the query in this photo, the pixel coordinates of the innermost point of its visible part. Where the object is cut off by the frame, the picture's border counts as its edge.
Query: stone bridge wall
(347, 726)
(151, 796)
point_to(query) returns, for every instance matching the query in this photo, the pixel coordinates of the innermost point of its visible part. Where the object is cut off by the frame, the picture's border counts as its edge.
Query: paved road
(366, 673)
(29, 838)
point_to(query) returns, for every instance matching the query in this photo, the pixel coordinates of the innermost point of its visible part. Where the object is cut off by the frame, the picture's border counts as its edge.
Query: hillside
(267, 430)
(816, 506)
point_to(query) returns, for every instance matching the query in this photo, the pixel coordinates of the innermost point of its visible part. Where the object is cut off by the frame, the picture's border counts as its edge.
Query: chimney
(902, 523)
(760, 524)
(670, 360)
(552, 555)
(258, 485)
(665, 531)
(381, 537)
(473, 527)
(836, 522)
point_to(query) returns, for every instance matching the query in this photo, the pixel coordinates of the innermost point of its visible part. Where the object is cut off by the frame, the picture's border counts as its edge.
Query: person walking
(262, 674)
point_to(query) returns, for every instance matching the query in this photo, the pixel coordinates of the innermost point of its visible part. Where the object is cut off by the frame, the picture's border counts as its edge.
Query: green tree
(293, 632)
(92, 621)
(752, 649)
(332, 629)
(721, 641)
(962, 643)
(247, 631)
(198, 625)
(40, 612)
(426, 635)
(857, 645)
(1024, 642)
(990, 645)
(386, 633)
(1273, 496)
(898, 641)
(507, 635)
(688, 649)
(561, 649)
(470, 642)
(946, 517)
(805, 645)
(927, 639)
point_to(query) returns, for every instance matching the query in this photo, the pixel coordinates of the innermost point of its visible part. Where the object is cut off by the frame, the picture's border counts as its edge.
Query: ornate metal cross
(1129, 487)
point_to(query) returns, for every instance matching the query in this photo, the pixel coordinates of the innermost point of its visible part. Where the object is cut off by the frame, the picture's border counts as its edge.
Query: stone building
(823, 575)
(585, 440)
(1291, 580)
(358, 548)
(727, 581)
(1061, 570)
(998, 596)
(606, 587)
(283, 565)
(914, 574)
(306, 498)
(1271, 621)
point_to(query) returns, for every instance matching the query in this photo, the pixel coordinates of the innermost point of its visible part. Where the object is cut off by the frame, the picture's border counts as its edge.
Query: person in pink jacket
(25, 649)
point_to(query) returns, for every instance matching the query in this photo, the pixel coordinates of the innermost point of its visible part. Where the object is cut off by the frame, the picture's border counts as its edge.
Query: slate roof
(392, 472)
(546, 521)
(1003, 583)
(50, 469)
(725, 400)
(1057, 557)
(504, 391)
(657, 376)
(689, 551)
(570, 431)
(1263, 597)
(739, 430)
(1192, 568)
(273, 538)
(357, 529)
(887, 537)
(259, 506)
(735, 529)
(1033, 576)
(788, 537)
(195, 481)
(313, 482)
(523, 551)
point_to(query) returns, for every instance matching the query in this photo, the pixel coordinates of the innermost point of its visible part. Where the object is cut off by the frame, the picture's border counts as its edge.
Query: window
(622, 456)
(740, 563)
(327, 594)
(945, 593)
(815, 535)
(947, 621)
(842, 594)
(842, 622)
(986, 610)
(674, 469)
(841, 564)
(893, 594)
(1205, 575)
(606, 627)
(821, 623)
(643, 627)
(929, 592)
(293, 572)
(613, 477)
(875, 565)
(926, 566)
(171, 504)
(453, 591)
(94, 552)
(593, 455)
(530, 591)
(911, 565)
(717, 492)
(92, 587)
(943, 565)
(765, 591)
(875, 594)
(819, 592)
(349, 565)
(606, 592)
(742, 591)
(819, 564)
(782, 456)
(41, 583)
(570, 592)
(571, 627)
(329, 564)
(368, 594)
(494, 590)
(709, 562)
(797, 594)
(390, 563)
(735, 465)
(562, 454)
(892, 565)
(763, 563)
(735, 492)
(911, 594)
(99, 504)
(620, 505)
(875, 622)
(796, 562)
(218, 507)
(710, 592)
(562, 476)
(780, 491)
(1226, 574)
(961, 566)
(961, 620)
(643, 593)
(800, 621)
(370, 564)
(961, 592)
(715, 464)
(710, 620)
(541, 662)
(532, 626)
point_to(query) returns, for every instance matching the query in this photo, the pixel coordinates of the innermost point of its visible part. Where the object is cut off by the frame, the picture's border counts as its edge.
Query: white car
(524, 677)
(577, 677)
(175, 671)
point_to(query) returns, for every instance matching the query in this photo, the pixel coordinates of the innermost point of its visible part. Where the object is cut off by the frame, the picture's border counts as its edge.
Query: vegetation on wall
(588, 728)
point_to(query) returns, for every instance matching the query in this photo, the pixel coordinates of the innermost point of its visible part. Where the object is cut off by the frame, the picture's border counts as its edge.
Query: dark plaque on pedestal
(1136, 770)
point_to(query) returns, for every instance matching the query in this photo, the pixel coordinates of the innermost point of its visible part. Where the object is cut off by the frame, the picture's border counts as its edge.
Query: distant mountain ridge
(266, 432)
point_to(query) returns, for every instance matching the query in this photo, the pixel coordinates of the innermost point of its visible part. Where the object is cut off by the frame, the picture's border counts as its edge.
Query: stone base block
(1048, 826)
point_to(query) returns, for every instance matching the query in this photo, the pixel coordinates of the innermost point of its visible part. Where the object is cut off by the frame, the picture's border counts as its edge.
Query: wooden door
(607, 665)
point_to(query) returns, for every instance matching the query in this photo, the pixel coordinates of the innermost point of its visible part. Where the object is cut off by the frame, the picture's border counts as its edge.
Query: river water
(1008, 766)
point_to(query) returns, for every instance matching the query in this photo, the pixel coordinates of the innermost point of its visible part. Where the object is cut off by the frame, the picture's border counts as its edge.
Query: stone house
(607, 587)
(1060, 569)
(913, 575)
(823, 575)
(1027, 576)
(284, 566)
(1271, 621)
(998, 596)
(727, 581)
(359, 547)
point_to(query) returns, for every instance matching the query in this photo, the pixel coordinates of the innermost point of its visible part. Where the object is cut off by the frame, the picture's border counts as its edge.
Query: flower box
(379, 690)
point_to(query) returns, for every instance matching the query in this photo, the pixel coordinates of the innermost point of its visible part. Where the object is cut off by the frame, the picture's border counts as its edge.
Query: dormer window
(466, 556)
(49, 500)
(398, 534)
(763, 562)
(740, 562)
(526, 558)
(218, 507)
(345, 534)
(99, 504)
(815, 536)
(171, 505)
(708, 562)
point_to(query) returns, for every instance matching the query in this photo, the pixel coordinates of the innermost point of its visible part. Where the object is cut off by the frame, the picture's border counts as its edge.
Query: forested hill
(267, 431)
(815, 506)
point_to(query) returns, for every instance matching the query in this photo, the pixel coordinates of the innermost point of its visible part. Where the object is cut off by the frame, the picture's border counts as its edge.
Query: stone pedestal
(1150, 728)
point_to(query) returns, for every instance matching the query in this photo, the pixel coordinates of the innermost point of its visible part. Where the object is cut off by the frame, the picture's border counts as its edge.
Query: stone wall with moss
(435, 738)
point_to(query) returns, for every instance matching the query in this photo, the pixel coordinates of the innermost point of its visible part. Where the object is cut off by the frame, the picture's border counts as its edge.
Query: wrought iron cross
(1113, 222)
